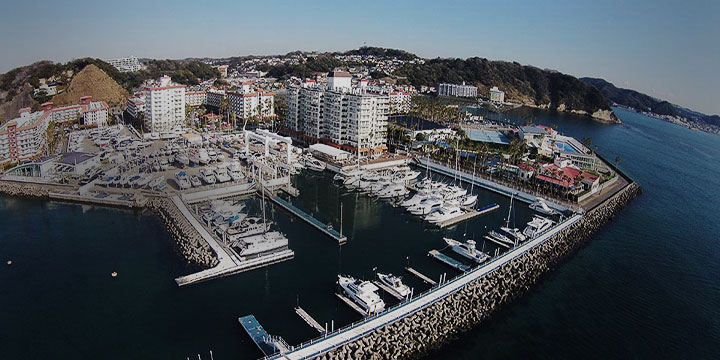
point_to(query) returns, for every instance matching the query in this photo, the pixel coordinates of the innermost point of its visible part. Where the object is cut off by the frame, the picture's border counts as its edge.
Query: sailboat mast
(262, 196)
(507, 221)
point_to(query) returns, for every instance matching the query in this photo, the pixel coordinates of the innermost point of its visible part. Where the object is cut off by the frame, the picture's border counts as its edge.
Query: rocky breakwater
(444, 320)
(25, 189)
(192, 246)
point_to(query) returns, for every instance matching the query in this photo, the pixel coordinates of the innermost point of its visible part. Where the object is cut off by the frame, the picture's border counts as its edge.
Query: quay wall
(189, 243)
(443, 321)
(23, 189)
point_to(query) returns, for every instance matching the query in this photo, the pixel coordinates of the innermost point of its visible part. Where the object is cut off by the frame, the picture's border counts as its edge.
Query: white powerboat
(203, 158)
(182, 180)
(414, 200)
(235, 171)
(395, 283)
(468, 250)
(221, 174)
(426, 206)
(314, 164)
(263, 244)
(393, 191)
(444, 213)
(541, 206)
(182, 159)
(207, 176)
(537, 226)
(195, 181)
(363, 293)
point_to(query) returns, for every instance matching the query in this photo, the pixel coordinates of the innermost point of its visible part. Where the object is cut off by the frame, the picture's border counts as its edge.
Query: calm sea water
(648, 285)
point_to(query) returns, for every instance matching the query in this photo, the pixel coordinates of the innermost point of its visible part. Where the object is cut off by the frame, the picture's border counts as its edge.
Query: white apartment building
(399, 102)
(247, 105)
(457, 90)
(25, 137)
(214, 97)
(164, 106)
(126, 64)
(339, 114)
(136, 105)
(196, 98)
(497, 96)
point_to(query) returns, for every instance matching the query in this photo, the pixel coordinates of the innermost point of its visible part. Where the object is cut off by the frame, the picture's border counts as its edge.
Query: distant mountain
(655, 107)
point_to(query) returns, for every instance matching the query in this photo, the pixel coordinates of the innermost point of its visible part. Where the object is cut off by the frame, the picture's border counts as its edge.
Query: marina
(267, 343)
(327, 229)
(421, 276)
(309, 320)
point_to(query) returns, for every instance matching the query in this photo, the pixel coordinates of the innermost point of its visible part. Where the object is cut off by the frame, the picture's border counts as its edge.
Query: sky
(666, 49)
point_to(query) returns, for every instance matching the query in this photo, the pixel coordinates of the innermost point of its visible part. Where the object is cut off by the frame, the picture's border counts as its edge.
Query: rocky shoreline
(443, 321)
(26, 189)
(190, 244)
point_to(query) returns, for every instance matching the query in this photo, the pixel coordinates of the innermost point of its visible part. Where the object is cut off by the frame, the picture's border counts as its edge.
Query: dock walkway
(267, 343)
(357, 330)
(457, 265)
(324, 228)
(309, 320)
(351, 304)
(421, 276)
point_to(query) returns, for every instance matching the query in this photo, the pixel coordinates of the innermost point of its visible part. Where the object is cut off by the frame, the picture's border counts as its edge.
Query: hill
(655, 107)
(92, 81)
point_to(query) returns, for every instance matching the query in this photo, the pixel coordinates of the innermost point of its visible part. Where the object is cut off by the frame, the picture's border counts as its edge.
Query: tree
(224, 107)
(420, 137)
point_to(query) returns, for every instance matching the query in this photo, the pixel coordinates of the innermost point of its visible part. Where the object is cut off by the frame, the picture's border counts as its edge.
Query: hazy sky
(668, 49)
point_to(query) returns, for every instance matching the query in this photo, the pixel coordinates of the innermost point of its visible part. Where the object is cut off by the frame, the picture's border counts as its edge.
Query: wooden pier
(324, 228)
(309, 320)
(421, 276)
(448, 261)
(491, 239)
(352, 304)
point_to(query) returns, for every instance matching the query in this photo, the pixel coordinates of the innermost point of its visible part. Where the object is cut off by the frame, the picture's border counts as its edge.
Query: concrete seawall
(443, 321)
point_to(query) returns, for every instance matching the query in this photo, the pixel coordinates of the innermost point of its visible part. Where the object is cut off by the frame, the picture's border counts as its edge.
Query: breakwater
(27, 189)
(444, 320)
(189, 243)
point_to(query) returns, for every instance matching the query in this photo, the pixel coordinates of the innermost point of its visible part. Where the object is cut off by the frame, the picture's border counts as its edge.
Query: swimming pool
(563, 146)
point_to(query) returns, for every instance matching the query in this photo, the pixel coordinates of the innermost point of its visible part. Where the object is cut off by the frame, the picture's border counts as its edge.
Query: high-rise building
(164, 105)
(338, 114)
(457, 90)
(497, 96)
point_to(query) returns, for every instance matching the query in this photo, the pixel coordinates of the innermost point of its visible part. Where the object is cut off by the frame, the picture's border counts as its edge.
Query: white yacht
(536, 226)
(468, 250)
(207, 176)
(263, 244)
(235, 171)
(451, 192)
(426, 206)
(248, 227)
(500, 238)
(221, 174)
(212, 154)
(182, 180)
(444, 213)
(182, 159)
(393, 191)
(467, 200)
(414, 200)
(395, 283)
(203, 158)
(363, 293)
(195, 181)
(314, 164)
(542, 207)
(514, 234)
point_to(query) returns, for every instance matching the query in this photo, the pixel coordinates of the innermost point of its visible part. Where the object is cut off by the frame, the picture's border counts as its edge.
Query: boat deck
(457, 265)
(469, 214)
(388, 290)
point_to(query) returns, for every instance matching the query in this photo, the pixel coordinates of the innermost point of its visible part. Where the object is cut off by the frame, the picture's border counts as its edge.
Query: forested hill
(656, 107)
(526, 84)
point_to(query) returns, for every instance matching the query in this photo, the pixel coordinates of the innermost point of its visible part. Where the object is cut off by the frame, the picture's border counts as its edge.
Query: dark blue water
(648, 285)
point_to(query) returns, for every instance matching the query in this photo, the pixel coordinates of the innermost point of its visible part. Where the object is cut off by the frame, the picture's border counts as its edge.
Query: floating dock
(267, 343)
(352, 304)
(421, 276)
(389, 290)
(469, 214)
(325, 228)
(237, 267)
(309, 320)
(457, 265)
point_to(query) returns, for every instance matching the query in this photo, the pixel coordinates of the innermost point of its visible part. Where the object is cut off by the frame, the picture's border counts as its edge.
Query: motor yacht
(395, 283)
(537, 226)
(363, 293)
(468, 250)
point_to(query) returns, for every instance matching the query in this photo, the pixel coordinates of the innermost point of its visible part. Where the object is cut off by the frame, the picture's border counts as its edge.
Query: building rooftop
(72, 158)
(533, 130)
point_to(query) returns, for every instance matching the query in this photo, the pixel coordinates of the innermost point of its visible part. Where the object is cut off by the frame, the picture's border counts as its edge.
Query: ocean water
(647, 285)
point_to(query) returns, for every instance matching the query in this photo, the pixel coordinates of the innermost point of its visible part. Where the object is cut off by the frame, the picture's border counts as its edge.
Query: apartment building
(126, 64)
(338, 114)
(256, 104)
(164, 105)
(196, 98)
(25, 137)
(399, 102)
(459, 90)
(497, 96)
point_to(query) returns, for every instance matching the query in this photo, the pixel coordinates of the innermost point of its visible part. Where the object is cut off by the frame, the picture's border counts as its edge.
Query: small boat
(395, 283)
(263, 244)
(182, 180)
(221, 174)
(426, 206)
(315, 164)
(541, 206)
(182, 159)
(444, 213)
(363, 293)
(195, 181)
(468, 250)
(207, 176)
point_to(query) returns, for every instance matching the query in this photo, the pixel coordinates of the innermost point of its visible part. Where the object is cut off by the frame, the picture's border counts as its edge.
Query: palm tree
(225, 107)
